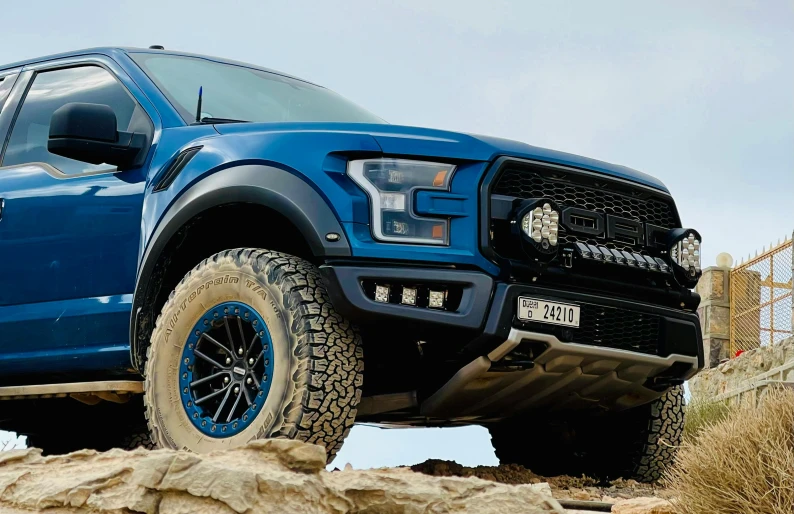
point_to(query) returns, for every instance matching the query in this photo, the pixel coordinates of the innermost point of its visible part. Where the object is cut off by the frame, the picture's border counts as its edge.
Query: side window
(53, 89)
(5, 88)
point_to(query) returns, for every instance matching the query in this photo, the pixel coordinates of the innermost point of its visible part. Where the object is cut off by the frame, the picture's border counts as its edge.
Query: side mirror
(87, 132)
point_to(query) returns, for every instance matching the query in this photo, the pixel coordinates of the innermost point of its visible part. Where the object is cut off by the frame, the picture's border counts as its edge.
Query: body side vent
(176, 167)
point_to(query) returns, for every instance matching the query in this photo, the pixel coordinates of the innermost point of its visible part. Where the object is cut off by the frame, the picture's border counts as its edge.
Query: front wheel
(248, 346)
(639, 443)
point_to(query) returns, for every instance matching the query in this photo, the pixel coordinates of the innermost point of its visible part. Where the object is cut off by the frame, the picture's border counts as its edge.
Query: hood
(400, 140)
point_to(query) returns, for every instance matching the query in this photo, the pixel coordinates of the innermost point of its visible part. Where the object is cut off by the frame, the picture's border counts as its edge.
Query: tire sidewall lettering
(207, 289)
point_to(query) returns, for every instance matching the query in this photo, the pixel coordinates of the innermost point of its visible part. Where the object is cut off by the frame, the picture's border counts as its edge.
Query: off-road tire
(320, 352)
(649, 438)
(638, 444)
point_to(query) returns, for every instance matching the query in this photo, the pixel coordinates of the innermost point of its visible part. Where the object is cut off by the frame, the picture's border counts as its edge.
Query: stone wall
(715, 314)
(730, 375)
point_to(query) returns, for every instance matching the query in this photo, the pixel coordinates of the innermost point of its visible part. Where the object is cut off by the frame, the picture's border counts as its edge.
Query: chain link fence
(761, 308)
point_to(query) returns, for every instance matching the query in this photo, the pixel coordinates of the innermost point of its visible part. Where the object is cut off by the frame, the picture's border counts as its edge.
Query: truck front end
(582, 301)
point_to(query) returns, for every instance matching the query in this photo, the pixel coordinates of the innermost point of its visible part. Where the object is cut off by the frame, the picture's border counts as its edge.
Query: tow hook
(567, 258)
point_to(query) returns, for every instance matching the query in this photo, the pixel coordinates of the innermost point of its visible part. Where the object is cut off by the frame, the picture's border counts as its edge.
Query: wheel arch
(276, 198)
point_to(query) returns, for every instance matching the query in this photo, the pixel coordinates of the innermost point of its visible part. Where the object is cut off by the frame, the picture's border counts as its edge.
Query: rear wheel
(639, 443)
(248, 346)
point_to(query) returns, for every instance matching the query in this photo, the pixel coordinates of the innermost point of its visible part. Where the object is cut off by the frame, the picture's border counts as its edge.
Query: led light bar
(621, 257)
(607, 254)
(630, 260)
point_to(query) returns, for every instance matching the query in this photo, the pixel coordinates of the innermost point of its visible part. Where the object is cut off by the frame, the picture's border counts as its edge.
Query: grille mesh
(528, 184)
(609, 327)
(622, 329)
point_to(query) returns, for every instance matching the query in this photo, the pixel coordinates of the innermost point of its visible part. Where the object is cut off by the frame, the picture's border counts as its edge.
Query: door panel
(69, 235)
(67, 238)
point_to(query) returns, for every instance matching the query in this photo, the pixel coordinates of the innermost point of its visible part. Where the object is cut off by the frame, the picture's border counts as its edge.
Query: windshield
(238, 93)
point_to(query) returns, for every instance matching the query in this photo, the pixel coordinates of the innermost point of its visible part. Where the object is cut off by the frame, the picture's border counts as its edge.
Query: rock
(278, 476)
(543, 488)
(643, 506)
(581, 494)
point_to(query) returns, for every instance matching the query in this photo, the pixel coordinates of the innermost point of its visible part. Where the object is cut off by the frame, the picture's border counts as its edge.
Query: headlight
(685, 252)
(390, 184)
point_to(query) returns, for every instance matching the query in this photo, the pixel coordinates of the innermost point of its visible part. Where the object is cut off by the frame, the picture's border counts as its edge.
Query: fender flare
(280, 190)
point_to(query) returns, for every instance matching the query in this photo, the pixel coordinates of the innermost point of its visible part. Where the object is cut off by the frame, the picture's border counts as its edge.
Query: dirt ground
(563, 487)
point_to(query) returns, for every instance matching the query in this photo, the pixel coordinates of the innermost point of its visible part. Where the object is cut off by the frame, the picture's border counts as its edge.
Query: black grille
(622, 329)
(527, 183)
(608, 327)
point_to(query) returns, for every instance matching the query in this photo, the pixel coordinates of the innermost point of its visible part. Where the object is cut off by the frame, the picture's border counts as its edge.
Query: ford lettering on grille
(611, 227)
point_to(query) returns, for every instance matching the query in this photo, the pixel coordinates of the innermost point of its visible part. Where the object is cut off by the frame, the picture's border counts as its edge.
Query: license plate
(541, 311)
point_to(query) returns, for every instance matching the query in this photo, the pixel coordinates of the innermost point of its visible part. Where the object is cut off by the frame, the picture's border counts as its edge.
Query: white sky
(699, 94)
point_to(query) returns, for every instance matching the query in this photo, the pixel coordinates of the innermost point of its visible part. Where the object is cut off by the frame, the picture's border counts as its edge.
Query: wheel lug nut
(228, 360)
(225, 380)
(248, 380)
(239, 351)
(251, 361)
(236, 389)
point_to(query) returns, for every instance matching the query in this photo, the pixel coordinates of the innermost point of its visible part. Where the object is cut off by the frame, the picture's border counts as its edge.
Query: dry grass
(741, 464)
(702, 414)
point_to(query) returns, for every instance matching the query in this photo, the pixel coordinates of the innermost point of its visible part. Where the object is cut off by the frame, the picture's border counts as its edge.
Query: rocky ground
(563, 488)
(281, 476)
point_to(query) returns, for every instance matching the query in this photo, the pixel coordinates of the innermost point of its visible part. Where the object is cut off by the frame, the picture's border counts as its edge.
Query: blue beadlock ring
(229, 347)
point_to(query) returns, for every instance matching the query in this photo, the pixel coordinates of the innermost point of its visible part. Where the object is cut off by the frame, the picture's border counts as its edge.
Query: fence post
(715, 314)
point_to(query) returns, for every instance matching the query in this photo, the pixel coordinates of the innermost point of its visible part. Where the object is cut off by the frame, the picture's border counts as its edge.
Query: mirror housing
(87, 132)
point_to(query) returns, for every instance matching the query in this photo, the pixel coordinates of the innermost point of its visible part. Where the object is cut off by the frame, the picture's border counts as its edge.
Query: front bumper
(634, 350)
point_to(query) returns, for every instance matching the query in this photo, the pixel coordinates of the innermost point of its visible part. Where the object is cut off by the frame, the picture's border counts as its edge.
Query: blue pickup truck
(196, 252)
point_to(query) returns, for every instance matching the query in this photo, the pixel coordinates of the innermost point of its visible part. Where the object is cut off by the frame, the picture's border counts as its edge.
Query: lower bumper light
(382, 294)
(409, 296)
(436, 299)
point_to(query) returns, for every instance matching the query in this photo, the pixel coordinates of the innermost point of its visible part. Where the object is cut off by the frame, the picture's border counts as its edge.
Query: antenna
(198, 107)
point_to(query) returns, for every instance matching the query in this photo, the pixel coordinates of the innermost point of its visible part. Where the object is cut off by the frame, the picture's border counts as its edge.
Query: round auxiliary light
(540, 229)
(541, 224)
(685, 254)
